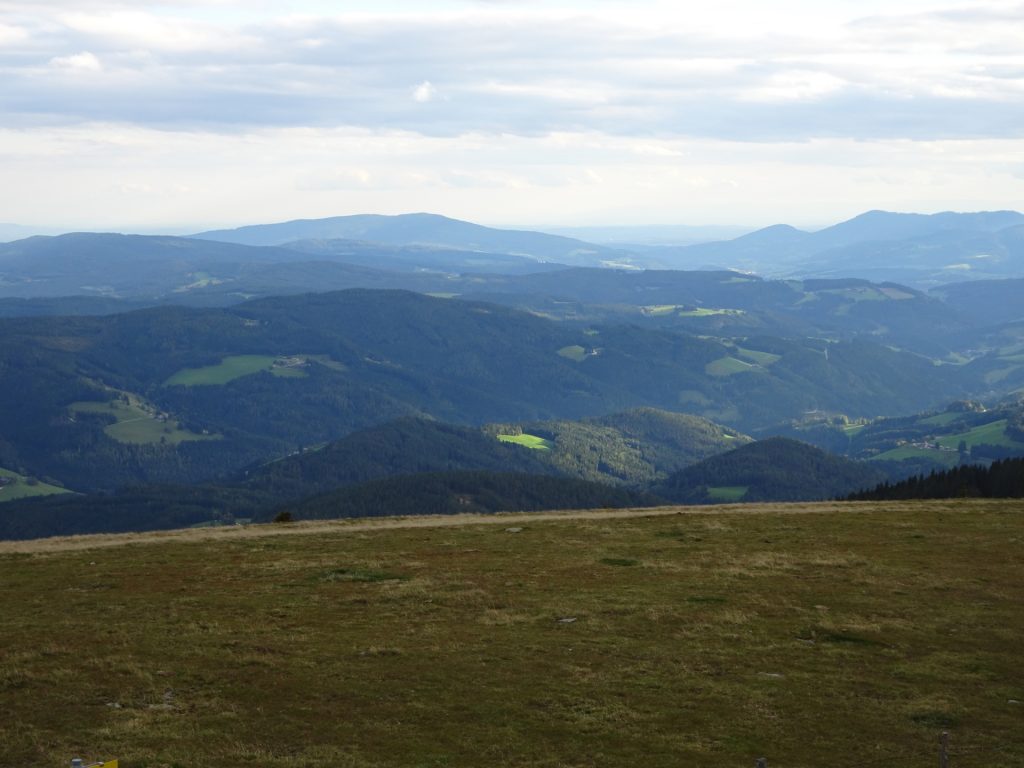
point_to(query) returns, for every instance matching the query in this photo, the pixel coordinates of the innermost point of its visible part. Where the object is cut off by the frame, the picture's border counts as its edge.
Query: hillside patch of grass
(236, 366)
(730, 366)
(993, 433)
(948, 459)
(227, 370)
(727, 494)
(22, 487)
(761, 358)
(942, 419)
(574, 352)
(532, 442)
(805, 638)
(139, 423)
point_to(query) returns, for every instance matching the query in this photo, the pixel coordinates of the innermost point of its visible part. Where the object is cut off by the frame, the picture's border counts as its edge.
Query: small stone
(772, 675)
(567, 620)
(1013, 701)
(513, 530)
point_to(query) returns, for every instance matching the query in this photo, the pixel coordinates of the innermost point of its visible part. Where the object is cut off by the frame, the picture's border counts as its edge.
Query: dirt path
(361, 525)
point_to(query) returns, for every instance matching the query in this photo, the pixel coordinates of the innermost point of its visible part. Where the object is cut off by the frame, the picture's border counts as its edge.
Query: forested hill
(1001, 480)
(636, 447)
(776, 469)
(446, 493)
(403, 447)
(231, 387)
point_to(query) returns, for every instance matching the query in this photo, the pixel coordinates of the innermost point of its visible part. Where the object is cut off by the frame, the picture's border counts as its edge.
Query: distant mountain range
(913, 249)
(423, 229)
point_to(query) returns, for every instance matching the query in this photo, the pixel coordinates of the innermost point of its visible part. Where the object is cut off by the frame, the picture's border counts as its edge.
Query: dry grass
(842, 634)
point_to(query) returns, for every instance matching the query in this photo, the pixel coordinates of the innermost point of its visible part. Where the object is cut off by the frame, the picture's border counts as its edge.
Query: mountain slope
(915, 249)
(776, 469)
(215, 390)
(403, 447)
(449, 493)
(631, 448)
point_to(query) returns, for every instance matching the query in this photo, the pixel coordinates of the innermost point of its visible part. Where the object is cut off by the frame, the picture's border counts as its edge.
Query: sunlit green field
(987, 434)
(528, 441)
(848, 634)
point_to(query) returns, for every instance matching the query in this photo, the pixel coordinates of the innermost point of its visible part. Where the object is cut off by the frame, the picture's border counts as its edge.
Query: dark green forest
(1001, 480)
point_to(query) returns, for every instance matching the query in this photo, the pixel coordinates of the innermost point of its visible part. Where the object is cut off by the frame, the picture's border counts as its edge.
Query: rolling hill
(633, 448)
(422, 229)
(769, 470)
(219, 389)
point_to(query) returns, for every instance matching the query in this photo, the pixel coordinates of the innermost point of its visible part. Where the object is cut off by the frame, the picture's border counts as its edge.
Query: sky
(189, 114)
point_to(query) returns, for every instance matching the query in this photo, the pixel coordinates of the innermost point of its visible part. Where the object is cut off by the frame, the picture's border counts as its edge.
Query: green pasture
(22, 487)
(137, 423)
(761, 358)
(946, 458)
(237, 366)
(942, 419)
(528, 441)
(987, 434)
(730, 366)
(727, 494)
(575, 353)
(228, 369)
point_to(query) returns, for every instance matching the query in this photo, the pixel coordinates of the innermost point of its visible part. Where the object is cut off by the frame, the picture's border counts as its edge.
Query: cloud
(79, 62)
(424, 92)
(520, 68)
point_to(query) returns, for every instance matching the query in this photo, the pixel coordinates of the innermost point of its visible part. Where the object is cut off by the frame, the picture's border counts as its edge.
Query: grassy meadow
(814, 635)
(19, 487)
(236, 366)
(137, 423)
(533, 442)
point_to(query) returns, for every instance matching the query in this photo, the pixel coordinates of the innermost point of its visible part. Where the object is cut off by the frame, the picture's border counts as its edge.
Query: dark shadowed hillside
(776, 469)
(455, 492)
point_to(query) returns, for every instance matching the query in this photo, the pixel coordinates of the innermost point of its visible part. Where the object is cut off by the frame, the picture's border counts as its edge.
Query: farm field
(20, 488)
(137, 423)
(814, 634)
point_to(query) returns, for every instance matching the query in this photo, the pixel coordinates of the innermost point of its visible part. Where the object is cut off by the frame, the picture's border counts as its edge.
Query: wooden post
(944, 750)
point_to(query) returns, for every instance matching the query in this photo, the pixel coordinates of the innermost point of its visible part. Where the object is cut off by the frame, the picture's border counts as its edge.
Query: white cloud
(79, 62)
(424, 92)
(551, 109)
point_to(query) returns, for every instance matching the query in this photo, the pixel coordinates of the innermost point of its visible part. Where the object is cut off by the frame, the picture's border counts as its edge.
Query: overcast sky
(198, 113)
